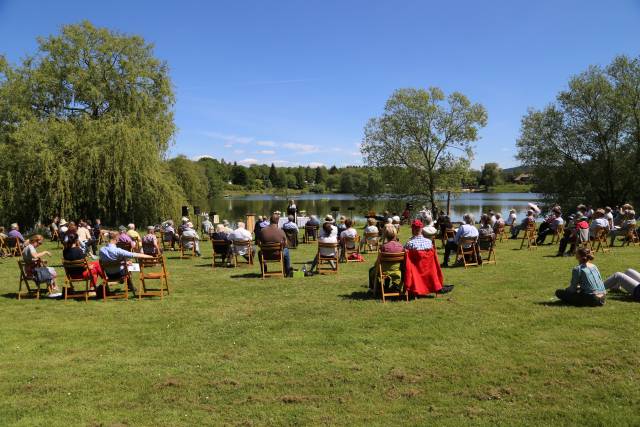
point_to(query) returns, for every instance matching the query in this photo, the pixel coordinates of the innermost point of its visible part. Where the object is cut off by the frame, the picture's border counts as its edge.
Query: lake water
(235, 208)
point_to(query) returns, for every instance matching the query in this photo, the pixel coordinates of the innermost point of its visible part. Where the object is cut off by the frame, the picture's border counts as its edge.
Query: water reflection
(236, 207)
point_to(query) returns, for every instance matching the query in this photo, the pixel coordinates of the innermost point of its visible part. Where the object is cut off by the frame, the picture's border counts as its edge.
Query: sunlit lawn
(229, 348)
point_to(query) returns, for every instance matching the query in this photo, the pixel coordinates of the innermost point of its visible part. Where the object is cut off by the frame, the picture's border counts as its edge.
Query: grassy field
(510, 188)
(227, 348)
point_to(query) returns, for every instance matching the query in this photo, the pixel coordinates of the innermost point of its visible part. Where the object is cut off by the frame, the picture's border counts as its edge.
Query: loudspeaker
(196, 210)
(185, 211)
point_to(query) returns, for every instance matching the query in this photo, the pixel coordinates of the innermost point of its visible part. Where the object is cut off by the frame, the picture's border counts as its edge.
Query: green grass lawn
(510, 188)
(228, 348)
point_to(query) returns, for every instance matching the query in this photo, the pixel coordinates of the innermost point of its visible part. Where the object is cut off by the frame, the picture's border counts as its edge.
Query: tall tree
(321, 175)
(426, 135)
(586, 145)
(491, 174)
(88, 119)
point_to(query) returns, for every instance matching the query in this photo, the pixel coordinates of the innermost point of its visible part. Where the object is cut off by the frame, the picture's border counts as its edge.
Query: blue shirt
(466, 230)
(588, 278)
(419, 243)
(112, 253)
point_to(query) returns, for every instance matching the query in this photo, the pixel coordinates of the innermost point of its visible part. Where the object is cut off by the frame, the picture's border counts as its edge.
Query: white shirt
(239, 235)
(371, 229)
(349, 232)
(512, 219)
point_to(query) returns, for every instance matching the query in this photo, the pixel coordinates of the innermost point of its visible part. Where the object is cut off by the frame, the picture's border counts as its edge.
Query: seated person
(391, 245)
(492, 218)
(444, 224)
(313, 220)
(485, 231)
(241, 234)
(135, 236)
(2, 233)
(341, 225)
(257, 227)
(629, 281)
(220, 234)
(86, 238)
(348, 233)
(123, 237)
(227, 226)
(33, 259)
(586, 287)
(328, 234)
(466, 230)
(576, 226)
(182, 225)
(110, 253)
(14, 232)
(370, 228)
(395, 220)
(499, 223)
(206, 226)
(629, 221)
(417, 241)
(554, 221)
(189, 233)
(62, 229)
(150, 242)
(73, 252)
(512, 218)
(273, 234)
(529, 219)
(598, 221)
(429, 231)
(169, 234)
(608, 214)
(290, 225)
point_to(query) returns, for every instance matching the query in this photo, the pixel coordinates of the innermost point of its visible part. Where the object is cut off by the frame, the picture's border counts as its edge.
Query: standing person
(586, 287)
(96, 230)
(273, 234)
(33, 259)
(112, 253)
(466, 230)
(62, 229)
(292, 209)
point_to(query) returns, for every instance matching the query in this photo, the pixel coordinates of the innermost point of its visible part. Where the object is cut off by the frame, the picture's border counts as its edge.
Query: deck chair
(631, 237)
(500, 232)
(557, 235)
(468, 251)
(74, 272)
(25, 279)
(487, 245)
(370, 242)
(310, 233)
(326, 260)
(247, 246)
(13, 246)
(600, 240)
(121, 283)
(184, 251)
(349, 246)
(221, 251)
(530, 237)
(292, 238)
(271, 254)
(388, 259)
(153, 269)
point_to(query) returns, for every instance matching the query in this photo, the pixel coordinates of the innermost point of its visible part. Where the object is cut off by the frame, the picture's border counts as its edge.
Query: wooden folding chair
(292, 238)
(371, 242)
(325, 259)
(123, 281)
(148, 248)
(486, 245)
(449, 234)
(125, 246)
(631, 237)
(247, 246)
(350, 246)
(583, 239)
(221, 250)
(600, 240)
(153, 269)
(388, 259)
(13, 246)
(500, 232)
(55, 236)
(557, 235)
(530, 237)
(271, 253)
(310, 233)
(25, 279)
(468, 251)
(184, 251)
(73, 271)
(4, 250)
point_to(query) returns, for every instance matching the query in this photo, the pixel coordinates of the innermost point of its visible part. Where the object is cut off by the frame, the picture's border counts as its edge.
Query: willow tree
(85, 125)
(423, 141)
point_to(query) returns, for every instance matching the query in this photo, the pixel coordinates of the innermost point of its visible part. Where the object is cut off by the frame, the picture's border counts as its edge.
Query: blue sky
(294, 82)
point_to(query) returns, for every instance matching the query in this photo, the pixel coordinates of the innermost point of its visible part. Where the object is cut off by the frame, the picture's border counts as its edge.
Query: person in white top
(349, 233)
(608, 214)
(240, 234)
(371, 226)
(429, 230)
(328, 234)
(511, 220)
(599, 221)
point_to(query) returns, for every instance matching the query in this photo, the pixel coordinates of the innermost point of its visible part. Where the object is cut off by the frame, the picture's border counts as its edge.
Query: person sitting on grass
(150, 242)
(33, 259)
(328, 234)
(623, 230)
(189, 233)
(586, 287)
(627, 281)
(241, 234)
(466, 230)
(273, 234)
(394, 271)
(110, 253)
(73, 251)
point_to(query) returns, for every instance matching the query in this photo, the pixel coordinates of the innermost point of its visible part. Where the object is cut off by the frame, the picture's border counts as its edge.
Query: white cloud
(247, 162)
(316, 164)
(301, 148)
(238, 151)
(280, 162)
(228, 145)
(266, 152)
(267, 143)
(232, 139)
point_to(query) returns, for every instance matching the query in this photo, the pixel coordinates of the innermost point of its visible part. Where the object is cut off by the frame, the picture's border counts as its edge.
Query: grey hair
(468, 219)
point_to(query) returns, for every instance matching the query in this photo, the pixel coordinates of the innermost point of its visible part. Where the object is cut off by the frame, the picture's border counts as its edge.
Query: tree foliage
(424, 139)
(586, 145)
(491, 174)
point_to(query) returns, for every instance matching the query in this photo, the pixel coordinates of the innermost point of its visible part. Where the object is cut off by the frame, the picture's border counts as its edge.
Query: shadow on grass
(556, 303)
(358, 296)
(621, 297)
(246, 276)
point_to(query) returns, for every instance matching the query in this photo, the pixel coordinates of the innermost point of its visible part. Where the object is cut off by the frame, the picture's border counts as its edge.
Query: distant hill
(516, 170)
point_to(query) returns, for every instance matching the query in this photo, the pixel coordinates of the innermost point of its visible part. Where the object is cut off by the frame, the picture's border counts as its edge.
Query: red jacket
(422, 274)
